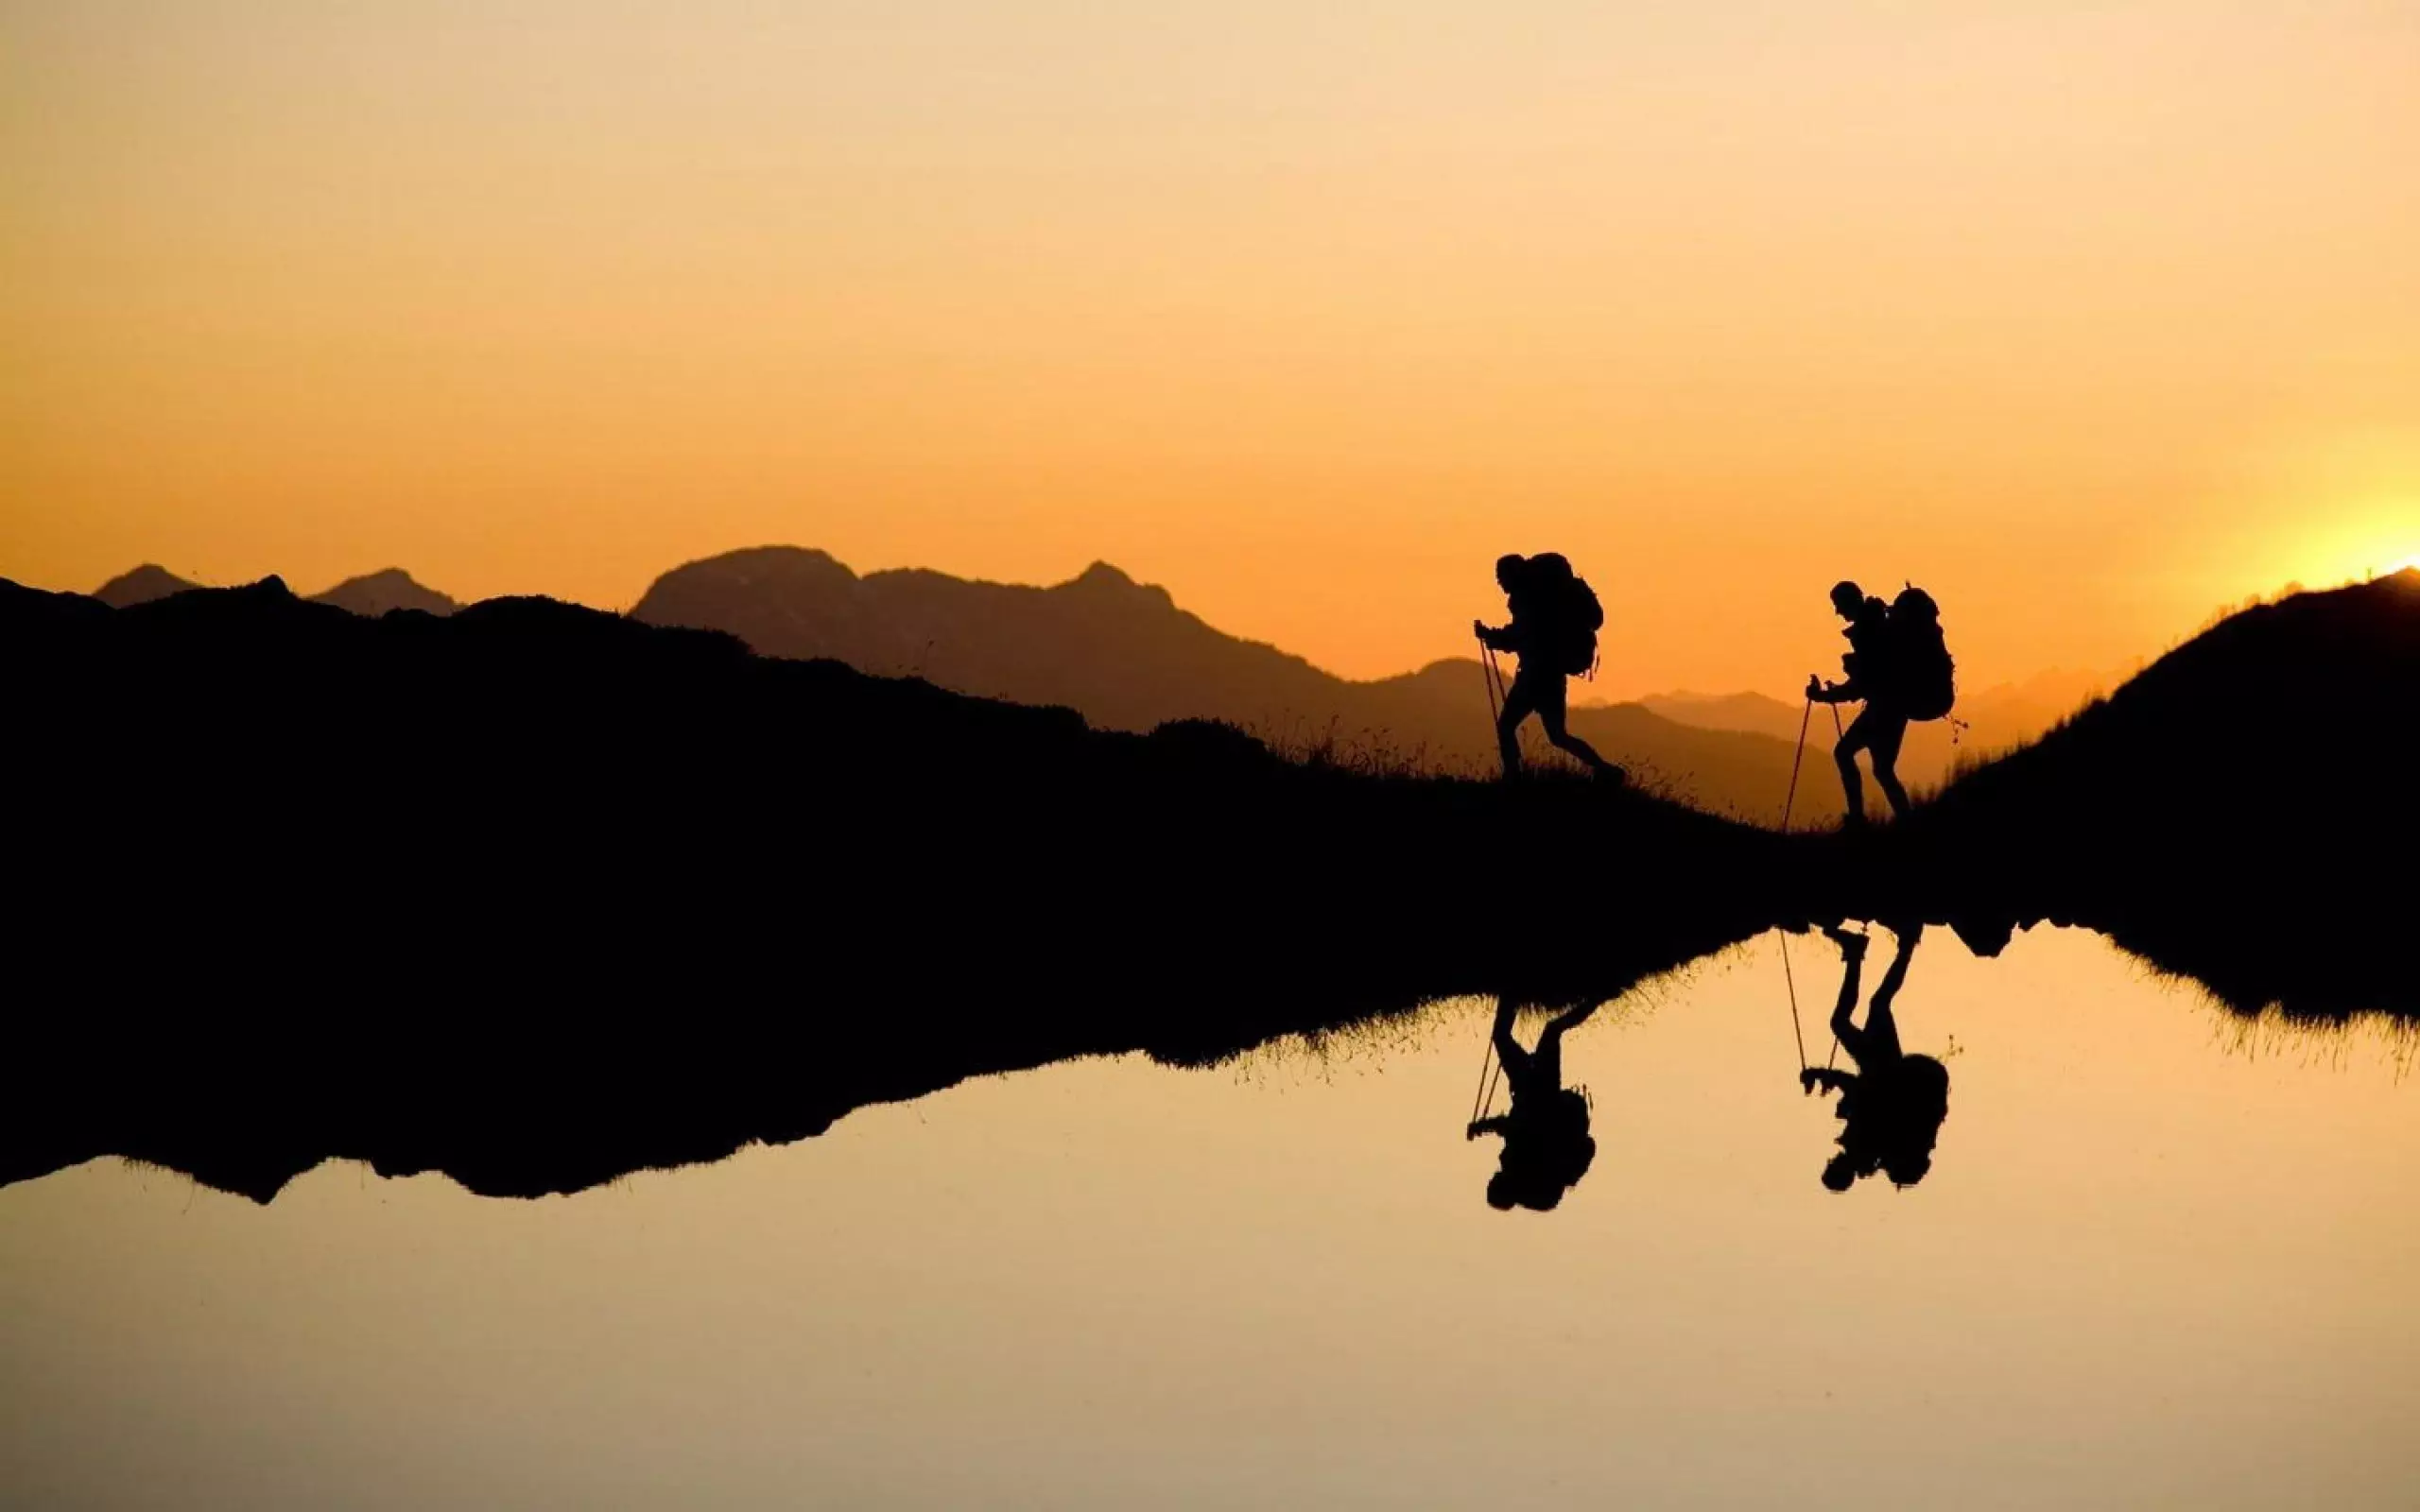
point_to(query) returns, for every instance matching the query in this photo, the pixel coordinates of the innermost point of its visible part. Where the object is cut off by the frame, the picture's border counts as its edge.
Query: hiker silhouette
(1553, 632)
(1892, 1106)
(1545, 1127)
(1882, 726)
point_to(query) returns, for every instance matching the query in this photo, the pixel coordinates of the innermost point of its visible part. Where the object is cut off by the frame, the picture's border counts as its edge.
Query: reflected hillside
(536, 896)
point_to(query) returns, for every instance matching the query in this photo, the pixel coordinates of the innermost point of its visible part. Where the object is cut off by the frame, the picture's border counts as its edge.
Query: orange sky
(2090, 316)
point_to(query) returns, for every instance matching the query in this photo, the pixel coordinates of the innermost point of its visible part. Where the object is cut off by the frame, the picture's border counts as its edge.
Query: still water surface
(2160, 1260)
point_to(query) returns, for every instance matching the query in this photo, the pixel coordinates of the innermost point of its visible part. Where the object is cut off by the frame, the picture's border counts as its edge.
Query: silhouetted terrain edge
(1125, 656)
(2242, 811)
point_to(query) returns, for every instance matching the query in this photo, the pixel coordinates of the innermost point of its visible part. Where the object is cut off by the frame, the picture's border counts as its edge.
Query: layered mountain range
(1126, 656)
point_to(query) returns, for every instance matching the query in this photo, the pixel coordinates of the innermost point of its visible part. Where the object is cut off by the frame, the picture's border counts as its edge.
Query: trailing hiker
(1547, 1144)
(1892, 1106)
(1553, 632)
(1898, 665)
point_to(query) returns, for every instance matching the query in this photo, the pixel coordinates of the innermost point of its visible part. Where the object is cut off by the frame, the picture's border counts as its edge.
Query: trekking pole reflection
(1799, 755)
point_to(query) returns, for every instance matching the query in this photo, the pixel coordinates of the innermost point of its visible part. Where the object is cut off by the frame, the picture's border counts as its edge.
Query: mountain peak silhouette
(390, 587)
(141, 586)
(774, 561)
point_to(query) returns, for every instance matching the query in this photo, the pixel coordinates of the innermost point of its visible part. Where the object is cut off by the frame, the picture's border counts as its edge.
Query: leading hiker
(1898, 666)
(1553, 632)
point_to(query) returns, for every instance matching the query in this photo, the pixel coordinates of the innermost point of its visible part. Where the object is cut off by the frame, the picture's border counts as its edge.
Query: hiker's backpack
(1575, 616)
(1923, 677)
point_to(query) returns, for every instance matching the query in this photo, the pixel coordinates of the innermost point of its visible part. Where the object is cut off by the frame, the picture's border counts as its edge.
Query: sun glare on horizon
(2384, 541)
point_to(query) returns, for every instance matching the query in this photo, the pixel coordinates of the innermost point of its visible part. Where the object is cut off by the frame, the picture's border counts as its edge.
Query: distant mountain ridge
(371, 595)
(1992, 719)
(1125, 656)
(141, 586)
(375, 593)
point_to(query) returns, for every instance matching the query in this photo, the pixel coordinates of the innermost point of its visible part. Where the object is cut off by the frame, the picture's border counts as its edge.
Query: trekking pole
(1491, 1067)
(1838, 736)
(1796, 756)
(1487, 670)
(1486, 1061)
(1791, 982)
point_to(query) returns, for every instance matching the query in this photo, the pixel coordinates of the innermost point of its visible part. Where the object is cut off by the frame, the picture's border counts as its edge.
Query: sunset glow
(2090, 318)
(915, 754)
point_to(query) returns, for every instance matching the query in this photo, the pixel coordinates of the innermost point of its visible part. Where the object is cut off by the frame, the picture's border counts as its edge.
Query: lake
(2163, 1257)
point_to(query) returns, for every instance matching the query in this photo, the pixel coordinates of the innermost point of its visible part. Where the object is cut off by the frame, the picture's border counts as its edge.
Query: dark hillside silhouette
(1126, 658)
(141, 586)
(374, 594)
(2241, 811)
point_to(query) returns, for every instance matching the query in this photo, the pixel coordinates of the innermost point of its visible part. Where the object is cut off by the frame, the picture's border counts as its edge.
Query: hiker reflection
(1892, 1106)
(1547, 1144)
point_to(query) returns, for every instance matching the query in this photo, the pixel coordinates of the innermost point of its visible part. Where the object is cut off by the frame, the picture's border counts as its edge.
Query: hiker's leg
(1550, 1051)
(1845, 755)
(1884, 744)
(1881, 1027)
(1851, 1038)
(1571, 1019)
(1552, 712)
(1881, 1037)
(1520, 702)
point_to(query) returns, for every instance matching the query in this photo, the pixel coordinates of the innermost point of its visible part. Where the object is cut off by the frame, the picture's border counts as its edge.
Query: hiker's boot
(1852, 946)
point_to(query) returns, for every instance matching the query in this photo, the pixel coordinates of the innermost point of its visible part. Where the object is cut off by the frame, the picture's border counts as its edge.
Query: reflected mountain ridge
(537, 897)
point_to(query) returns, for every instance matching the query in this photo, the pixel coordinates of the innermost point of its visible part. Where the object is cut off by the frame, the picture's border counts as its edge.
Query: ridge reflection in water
(2160, 1257)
